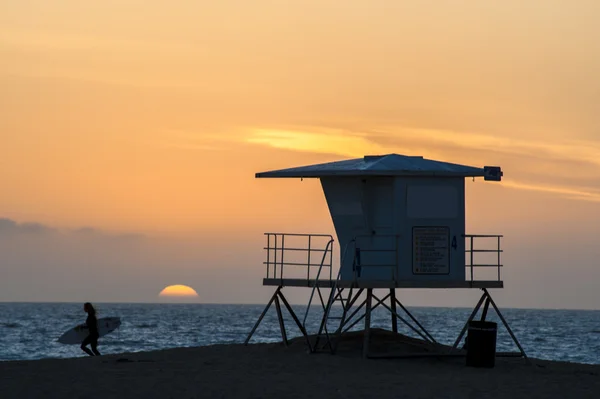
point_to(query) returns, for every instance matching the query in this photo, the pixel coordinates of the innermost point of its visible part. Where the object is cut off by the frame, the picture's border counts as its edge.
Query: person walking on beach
(92, 324)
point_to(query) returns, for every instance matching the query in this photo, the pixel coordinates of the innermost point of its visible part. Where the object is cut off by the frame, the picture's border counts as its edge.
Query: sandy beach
(274, 371)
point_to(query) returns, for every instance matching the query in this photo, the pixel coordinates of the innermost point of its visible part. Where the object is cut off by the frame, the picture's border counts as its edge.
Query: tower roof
(387, 165)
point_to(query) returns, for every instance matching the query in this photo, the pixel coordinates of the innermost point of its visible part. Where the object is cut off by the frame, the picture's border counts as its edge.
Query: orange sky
(138, 116)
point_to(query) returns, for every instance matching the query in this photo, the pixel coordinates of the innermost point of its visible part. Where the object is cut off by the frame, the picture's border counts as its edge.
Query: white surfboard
(77, 334)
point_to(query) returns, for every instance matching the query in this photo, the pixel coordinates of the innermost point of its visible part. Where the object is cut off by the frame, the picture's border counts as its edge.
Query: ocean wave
(124, 342)
(29, 331)
(146, 325)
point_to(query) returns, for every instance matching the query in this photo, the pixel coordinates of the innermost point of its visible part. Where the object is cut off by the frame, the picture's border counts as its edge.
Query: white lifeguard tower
(400, 223)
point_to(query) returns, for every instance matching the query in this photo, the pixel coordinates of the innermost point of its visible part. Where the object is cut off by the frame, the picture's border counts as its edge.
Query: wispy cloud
(329, 142)
(12, 227)
(9, 226)
(343, 142)
(574, 150)
(583, 194)
(549, 163)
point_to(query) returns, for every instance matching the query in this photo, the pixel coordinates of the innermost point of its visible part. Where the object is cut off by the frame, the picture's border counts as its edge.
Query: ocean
(30, 330)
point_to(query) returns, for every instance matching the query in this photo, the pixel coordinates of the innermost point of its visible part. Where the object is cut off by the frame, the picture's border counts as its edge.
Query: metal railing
(351, 245)
(276, 252)
(316, 287)
(471, 250)
(319, 253)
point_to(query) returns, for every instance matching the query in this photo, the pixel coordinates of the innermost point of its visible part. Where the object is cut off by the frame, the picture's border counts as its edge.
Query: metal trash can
(481, 344)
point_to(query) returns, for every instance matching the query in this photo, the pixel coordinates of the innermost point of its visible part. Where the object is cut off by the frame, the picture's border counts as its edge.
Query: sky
(130, 132)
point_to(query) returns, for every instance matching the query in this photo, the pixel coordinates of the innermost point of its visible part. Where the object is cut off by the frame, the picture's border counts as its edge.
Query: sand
(274, 371)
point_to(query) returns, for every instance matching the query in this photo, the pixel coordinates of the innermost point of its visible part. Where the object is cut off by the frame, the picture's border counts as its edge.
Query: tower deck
(330, 283)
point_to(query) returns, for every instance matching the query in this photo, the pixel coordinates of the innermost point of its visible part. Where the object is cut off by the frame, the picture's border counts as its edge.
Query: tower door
(378, 248)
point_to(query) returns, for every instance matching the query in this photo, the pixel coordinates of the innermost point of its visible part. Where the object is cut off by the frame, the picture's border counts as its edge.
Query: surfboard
(77, 334)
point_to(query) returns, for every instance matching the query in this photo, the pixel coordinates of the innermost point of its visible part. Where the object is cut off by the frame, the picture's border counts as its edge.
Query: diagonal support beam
(404, 321)
(486, 306)
(355, 322)
(367, 323)
(281, 323)
(262, 315)
(512, 335)
(393, 303)
(413, 318)
(462, 333)
(321, 298)
(349, 306)
(489, 300)
(347, 321)
(323, 325)
(277, 297)
(296, 320)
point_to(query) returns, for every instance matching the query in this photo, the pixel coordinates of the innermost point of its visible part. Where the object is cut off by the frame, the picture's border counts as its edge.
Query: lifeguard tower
(400, 222)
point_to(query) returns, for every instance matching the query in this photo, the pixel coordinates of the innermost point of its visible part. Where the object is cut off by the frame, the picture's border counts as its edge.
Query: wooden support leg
(367, 323)
(393, 306)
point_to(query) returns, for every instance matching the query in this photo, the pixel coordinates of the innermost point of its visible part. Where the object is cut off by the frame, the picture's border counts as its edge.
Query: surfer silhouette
(92, 324)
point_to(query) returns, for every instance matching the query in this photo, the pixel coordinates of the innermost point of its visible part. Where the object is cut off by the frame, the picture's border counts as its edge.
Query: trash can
(481, 344)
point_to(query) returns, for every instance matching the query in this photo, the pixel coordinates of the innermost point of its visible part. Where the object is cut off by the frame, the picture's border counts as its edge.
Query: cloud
(570, 168)
(89, 264)
(8, 226)
(93, 233)
(330, 142)
(571, 193)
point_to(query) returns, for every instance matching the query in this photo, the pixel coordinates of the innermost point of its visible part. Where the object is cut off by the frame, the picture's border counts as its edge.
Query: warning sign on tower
(431, 250)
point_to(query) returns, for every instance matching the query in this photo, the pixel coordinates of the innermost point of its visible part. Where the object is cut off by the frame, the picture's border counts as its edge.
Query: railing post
(308, 268)
(471, 258)
(268, 252)
(498, 258)
(282, 251)
(331, 260)
(275, 262)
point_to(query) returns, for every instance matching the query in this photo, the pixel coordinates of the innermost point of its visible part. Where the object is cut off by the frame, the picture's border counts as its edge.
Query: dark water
(30, 330)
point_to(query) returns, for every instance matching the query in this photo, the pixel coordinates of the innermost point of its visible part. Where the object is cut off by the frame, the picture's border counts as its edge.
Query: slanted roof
(386, 165)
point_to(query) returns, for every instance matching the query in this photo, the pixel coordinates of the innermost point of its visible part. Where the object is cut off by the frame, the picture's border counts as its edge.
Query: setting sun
(178, 291)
